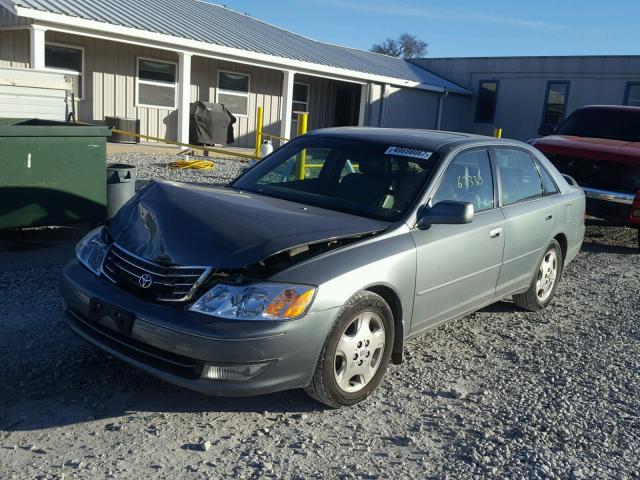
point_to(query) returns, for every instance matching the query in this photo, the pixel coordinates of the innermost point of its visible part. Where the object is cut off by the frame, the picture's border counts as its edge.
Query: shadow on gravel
(503, 306)
(596, 247)
(95, 386)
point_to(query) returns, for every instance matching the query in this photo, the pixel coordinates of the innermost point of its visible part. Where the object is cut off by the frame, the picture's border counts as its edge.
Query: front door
(458, 265)
(347, 106)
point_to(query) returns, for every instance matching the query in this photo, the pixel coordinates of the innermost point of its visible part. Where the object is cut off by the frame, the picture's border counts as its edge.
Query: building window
(486, 103)
(233, 92)
(64, 58)
(300, 99)
(555, 104)
(156, 83)
(632, 94)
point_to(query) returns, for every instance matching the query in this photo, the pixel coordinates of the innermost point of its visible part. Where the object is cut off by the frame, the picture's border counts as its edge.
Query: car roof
(627, 108)
(427, 139)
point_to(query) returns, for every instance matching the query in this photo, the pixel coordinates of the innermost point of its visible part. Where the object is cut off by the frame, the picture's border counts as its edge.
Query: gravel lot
(500, 393)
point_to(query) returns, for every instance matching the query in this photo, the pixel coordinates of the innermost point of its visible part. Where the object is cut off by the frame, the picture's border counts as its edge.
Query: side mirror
(570, 180)
(446, 213)
(546, 130)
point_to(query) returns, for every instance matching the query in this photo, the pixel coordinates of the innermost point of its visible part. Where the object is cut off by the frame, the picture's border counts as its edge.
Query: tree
(405, 46)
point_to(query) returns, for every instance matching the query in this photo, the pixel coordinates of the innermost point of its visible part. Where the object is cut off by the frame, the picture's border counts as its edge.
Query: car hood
(586, 147)
(177, 224)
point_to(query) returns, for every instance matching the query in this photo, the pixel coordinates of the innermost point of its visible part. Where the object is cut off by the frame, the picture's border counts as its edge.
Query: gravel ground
(500, 393)
(156, 167)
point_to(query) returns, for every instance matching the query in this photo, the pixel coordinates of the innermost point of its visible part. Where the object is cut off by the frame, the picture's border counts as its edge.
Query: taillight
(635, 208)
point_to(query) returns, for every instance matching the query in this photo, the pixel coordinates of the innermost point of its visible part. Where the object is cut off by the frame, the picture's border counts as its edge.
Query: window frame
(137, 102)
(540, 167)
(308, 85)
(495, 102)
(534, 160)
(64, 70)
(546, 101)
(233, 92)
(494, 177)
(627, 91)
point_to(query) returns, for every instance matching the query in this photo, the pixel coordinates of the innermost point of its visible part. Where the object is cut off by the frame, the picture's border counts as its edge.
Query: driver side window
(468, 178)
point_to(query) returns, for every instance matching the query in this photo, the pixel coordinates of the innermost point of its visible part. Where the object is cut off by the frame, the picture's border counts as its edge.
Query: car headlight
(92, 249)
(262, 301)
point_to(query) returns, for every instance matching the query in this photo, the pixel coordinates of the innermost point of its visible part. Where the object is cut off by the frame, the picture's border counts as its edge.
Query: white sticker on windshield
(409, 152)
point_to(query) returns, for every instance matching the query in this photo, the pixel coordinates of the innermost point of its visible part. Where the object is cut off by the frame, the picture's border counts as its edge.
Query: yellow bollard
(497, 133)
(302, 156)
(259, 120)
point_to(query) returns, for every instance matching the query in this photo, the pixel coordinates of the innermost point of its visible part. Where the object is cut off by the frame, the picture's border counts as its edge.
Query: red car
(599, 146)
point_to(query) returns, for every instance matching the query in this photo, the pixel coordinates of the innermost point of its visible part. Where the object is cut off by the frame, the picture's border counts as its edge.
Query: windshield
(373, 180)
(603, 123)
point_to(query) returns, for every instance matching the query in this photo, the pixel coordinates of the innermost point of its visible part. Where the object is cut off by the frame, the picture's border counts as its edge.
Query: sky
(464, 27)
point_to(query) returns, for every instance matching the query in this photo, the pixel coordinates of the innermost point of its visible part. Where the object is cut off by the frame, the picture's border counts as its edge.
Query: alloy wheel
(547, 275)
(359, 352)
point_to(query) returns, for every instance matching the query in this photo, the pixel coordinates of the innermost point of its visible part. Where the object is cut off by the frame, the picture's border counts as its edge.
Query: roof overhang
(107, 31)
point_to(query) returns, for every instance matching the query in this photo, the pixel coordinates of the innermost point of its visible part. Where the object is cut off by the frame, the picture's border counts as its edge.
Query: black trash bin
(121, 186)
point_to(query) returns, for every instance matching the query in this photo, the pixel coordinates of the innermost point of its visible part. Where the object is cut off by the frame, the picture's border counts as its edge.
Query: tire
(337, 380)
(532, 299)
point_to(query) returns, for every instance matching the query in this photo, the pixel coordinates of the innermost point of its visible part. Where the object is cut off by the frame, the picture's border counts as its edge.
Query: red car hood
(585, 147)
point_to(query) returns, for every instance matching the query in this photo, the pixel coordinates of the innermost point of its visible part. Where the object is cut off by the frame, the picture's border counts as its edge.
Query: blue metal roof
(214, 24)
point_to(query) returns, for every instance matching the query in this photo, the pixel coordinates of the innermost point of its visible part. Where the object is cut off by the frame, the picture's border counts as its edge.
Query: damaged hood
(177, 224)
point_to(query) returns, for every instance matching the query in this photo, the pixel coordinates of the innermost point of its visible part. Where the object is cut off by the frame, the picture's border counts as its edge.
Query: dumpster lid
(36, 127)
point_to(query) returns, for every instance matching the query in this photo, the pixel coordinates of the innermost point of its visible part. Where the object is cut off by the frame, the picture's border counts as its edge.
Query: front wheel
(356, 353)
(544, 284)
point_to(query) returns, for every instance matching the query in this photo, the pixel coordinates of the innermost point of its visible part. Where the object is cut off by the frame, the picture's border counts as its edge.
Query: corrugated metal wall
(14, 48)
(110, 88)
(322, 102)
(8, 19)
(265, 87)
(110, 84)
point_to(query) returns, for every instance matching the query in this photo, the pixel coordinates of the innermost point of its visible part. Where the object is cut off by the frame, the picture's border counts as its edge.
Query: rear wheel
(356, 353)
(544, 284)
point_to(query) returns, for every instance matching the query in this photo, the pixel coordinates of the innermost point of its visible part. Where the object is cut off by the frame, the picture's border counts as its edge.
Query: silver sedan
(313, 268)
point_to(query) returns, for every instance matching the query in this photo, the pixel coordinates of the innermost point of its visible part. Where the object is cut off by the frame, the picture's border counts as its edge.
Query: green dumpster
(51, 173)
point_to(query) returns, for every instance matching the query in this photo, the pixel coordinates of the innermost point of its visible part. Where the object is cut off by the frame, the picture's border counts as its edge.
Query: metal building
(521, 94)
(149, 59)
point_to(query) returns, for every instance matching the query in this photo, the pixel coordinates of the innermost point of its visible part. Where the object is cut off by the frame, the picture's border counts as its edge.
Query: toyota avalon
(313, 268)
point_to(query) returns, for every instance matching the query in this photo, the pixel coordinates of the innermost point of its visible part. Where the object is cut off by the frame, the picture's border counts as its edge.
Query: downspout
(440, 109)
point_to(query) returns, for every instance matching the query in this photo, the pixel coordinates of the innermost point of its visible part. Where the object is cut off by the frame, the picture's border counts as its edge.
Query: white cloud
(438, 14)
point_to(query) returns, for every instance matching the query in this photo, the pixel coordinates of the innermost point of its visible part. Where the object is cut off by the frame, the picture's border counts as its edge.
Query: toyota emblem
(145, 280)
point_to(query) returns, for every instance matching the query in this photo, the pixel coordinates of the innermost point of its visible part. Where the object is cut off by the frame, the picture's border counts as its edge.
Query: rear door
(458, 265)
(529, 217)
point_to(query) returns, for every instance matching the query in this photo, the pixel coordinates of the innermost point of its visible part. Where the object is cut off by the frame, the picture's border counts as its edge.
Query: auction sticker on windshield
(409, 152)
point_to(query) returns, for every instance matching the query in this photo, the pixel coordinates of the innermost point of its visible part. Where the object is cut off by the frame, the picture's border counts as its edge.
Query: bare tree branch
(405, 46)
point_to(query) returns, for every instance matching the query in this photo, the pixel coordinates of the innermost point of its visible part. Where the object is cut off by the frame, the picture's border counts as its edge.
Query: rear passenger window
(548, 185)
(468, 179)
(519, 176)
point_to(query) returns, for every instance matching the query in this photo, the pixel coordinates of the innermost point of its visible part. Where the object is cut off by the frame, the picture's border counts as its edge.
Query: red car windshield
(613, 124)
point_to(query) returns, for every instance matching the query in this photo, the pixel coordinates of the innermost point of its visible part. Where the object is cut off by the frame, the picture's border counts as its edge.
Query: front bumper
(175, 344)
(611, 208)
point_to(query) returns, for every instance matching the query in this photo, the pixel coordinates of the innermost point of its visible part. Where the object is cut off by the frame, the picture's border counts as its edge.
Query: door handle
(495, 233)
(548, 217)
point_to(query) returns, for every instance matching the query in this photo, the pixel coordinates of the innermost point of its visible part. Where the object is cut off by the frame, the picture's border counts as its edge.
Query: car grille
(167, 284)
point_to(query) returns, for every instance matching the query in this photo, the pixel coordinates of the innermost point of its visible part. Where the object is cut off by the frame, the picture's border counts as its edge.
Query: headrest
(372, 166)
